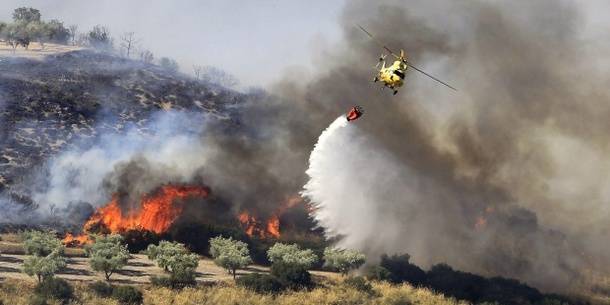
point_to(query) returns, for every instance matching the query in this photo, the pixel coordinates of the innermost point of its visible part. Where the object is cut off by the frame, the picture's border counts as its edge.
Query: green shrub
(102, 289)
(127, 295)
(378, 273)
(161, 281)
(38, 300)
(359, 283)
(291, 276)
(401, 270)
(261, 283)
(174, 281)
(54, 288)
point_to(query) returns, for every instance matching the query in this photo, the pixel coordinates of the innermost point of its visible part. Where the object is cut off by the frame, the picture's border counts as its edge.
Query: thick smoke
(505, 177)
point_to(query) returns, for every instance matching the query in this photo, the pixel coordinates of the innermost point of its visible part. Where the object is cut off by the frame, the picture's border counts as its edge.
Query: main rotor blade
(410, 65)
(430, 76)
(378, 42)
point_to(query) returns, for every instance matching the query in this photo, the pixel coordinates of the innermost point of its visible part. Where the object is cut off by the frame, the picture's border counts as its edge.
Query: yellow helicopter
(393, 76)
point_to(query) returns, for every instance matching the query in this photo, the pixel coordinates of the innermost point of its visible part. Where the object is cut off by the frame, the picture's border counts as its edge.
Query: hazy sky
(254, 40)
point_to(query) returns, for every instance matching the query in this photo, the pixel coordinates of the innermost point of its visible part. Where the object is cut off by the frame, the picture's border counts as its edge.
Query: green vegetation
(53, 288)
(460, 285)
(108, 254)
(176, 260)
(230, 254)
(27, 26)
(16, 292)
(99, 38)
(292, 254)
(260, 282)
(288, 270)
(46, 254)
(41, 243)
(343, 260)
(127, 295)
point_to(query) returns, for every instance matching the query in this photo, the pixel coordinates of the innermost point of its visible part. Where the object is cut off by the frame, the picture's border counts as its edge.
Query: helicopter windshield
(399, 74)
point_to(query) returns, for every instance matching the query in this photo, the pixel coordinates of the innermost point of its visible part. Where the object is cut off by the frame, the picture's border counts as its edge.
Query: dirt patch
(35, 50)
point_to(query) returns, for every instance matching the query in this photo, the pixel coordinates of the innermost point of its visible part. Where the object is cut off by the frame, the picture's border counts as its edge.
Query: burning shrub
(138, 240)
(107, 254)
(343, 260)
(230, 254)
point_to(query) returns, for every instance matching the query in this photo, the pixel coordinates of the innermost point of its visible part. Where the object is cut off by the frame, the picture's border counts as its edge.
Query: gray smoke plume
(505, 177)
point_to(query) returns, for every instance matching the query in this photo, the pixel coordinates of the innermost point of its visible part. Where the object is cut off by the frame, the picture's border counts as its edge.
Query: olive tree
(26, 15)
(107, 254)
(41, 243)
(291, 254)
(46, 254)
(343, 260)
(44, 266)
(99, 38)
(230, 254)
(173, 257)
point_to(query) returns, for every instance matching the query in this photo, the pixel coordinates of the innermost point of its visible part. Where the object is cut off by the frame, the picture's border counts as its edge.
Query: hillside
(50, 103)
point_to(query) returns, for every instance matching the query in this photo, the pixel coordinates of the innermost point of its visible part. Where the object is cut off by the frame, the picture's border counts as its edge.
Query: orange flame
(253, 227)
(76, 240)
(157, 212)
(271, 228)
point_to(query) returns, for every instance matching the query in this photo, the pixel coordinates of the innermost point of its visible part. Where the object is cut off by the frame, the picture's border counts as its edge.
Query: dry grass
(17, 292)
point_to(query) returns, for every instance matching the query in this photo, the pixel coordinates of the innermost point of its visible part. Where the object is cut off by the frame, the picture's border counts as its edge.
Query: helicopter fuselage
(393, 76)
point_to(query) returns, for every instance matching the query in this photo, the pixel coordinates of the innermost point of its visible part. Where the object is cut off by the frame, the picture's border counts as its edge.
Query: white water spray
(351, 183)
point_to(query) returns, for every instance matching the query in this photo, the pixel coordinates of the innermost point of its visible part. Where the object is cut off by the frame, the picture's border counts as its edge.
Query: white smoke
(168, 144)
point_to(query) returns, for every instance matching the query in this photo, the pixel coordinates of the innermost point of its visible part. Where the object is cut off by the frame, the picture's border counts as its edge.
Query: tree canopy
(291, 254)
(173, 257)
(107, 254)
(230, 254)
(41, 243)
(343, 260)
(46, 254)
